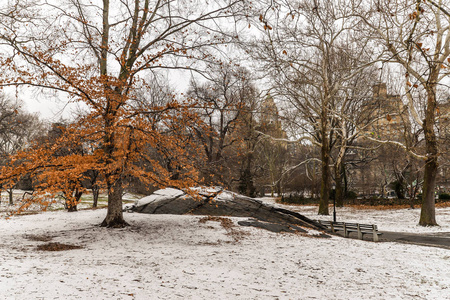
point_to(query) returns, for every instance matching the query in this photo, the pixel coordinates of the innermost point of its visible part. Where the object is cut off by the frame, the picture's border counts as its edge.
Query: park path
(435, 239)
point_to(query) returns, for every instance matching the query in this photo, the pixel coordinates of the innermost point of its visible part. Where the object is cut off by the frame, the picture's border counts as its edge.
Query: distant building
(388, 115)
(385, 118)
(270, 122)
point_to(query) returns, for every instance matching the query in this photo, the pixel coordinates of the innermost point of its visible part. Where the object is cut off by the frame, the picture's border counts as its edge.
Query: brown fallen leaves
(55, 246)
(228, 225)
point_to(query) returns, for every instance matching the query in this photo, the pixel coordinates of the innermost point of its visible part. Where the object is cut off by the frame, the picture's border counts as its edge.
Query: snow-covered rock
(160, 195)
(217, 202)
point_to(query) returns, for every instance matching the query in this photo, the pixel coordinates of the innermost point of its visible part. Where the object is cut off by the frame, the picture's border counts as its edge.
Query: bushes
(351, 197)
(375, 201)
(296, 199)
(444, 196)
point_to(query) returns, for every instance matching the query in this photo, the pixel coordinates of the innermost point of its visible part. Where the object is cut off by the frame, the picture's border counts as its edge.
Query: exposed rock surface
(274, 227)
(219, 202)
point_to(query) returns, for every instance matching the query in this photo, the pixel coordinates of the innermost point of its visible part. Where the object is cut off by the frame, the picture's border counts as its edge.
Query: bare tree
(312, 51)
(416, 36)
(225, 104)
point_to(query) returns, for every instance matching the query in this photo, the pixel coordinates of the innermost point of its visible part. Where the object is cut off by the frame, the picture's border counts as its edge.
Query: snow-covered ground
(180, 257)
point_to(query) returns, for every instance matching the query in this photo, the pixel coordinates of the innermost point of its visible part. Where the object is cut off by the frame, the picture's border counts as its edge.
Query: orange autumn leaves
(150, 146)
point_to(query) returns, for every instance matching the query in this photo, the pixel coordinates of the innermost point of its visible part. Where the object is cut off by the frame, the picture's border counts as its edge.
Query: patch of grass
(295, 199)
(128, 201)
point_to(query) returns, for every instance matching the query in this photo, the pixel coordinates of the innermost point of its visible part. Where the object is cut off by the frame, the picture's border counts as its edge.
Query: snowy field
(180, 257)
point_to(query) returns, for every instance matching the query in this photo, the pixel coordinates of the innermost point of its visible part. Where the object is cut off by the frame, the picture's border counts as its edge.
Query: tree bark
(325, 184)
(427, 213)
(95, 192)
(246, 186)
(114, 181)
(345, 180)
(71, 207)
(10, 195)
(339, 192)
(114, 217)
(71, 203)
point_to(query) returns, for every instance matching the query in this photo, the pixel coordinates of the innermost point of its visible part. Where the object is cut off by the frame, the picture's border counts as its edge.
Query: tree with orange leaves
(17, 129)
(102, 53)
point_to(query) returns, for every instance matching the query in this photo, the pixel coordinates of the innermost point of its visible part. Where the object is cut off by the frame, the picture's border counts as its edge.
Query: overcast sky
(55, 107)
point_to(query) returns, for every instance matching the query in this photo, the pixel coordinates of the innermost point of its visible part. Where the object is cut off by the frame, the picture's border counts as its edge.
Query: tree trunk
(114, 217)
(427, 213)
(246, 186)
(78, 195)
(278, 186)
(325, 183)
(345, 179)
(10, 194)
(71, 205)
(324, 126)
(412, 196)
(339, 192)
(95, 192)
(412, 185)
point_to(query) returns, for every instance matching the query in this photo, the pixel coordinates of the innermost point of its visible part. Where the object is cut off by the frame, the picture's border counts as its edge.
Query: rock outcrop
(219, 202)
